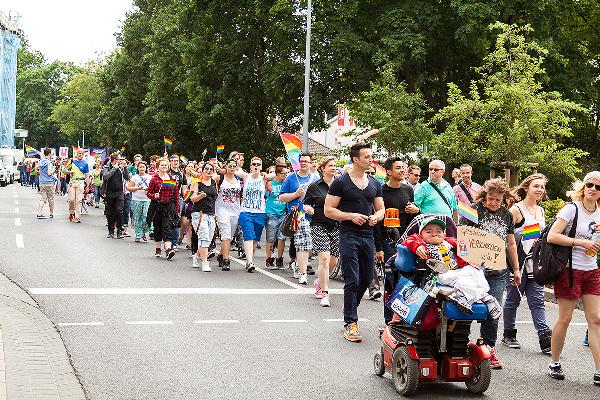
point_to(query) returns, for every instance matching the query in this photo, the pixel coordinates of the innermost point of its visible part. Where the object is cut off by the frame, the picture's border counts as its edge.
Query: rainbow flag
(532, 231)
(183, 159)
(468, 212)
(170, 183)
(187, 195)
(31, 151)
(168, 142)
(293, 148)
(220, 148)
(380, 174)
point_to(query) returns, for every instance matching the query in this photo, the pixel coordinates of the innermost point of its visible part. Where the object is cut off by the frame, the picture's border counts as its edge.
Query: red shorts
(584, 282)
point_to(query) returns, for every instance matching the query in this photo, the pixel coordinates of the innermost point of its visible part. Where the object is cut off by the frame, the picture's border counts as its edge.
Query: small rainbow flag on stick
(379, 172)
(183, 159)
(187, 195)
(293, 146)
(168, 142)
(31, 151)
(468, 212)
(170, 183)
(532, 231)
(220, 148)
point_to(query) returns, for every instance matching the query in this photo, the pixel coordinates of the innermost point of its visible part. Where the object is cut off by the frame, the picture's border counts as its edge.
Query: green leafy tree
(398, 114)
(507, 116)
(79, 106)
(38, 87)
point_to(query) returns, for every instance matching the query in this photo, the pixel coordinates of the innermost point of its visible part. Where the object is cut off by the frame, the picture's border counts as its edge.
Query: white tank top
(531, 224)
(253, 197)
(229, 196)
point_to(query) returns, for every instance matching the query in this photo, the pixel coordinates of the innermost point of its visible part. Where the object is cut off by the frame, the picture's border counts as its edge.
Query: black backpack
(550, 260)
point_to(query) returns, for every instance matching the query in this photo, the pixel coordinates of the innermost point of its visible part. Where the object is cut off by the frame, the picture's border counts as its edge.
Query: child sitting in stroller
(466, 282)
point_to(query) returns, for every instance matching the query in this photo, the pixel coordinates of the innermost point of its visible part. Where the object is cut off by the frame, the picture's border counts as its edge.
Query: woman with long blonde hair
(529, 218)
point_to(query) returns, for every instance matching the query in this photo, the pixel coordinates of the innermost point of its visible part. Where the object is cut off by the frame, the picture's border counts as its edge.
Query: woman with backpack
(582, 280)
(529, 220)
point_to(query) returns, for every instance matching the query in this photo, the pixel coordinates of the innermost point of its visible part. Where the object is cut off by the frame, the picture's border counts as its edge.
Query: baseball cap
(432, 220)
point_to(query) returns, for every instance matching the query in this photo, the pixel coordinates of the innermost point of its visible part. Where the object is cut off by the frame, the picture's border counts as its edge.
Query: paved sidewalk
(33, 360)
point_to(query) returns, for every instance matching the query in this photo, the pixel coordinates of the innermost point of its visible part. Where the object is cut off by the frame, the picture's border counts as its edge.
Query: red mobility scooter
(427, 339)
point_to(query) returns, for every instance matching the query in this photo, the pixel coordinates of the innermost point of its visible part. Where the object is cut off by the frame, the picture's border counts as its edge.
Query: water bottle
(595, 238)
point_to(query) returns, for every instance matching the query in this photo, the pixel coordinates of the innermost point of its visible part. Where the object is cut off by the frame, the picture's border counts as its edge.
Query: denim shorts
(252, 225)
(273, 227)
(206, 229)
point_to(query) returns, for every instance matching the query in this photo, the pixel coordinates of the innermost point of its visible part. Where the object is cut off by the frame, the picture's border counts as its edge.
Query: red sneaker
(494, 362)
(71, 216)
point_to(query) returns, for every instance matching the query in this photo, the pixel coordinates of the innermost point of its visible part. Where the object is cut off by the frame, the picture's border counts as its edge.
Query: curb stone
(36, 363)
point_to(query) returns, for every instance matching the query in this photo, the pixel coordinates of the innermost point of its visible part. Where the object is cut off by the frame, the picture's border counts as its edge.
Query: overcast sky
(70, 30)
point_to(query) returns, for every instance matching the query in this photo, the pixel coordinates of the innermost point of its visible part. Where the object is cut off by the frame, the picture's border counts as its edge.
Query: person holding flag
(529, 220)
(79, 173)
(292, 193)
(164, 195)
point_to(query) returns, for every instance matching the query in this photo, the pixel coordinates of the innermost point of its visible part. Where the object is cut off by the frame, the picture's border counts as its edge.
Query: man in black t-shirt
(356, 200)
(400, 196)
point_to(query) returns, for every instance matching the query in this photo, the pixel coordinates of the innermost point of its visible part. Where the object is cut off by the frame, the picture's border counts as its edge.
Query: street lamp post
(306, 79)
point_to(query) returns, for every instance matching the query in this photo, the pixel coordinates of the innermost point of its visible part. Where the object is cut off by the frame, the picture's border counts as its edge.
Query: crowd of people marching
(181, 204)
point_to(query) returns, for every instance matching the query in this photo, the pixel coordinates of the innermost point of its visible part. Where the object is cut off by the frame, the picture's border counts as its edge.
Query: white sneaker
(206, 266)
(325, 300)
(195, 261)
(296, 271)
(303, 279)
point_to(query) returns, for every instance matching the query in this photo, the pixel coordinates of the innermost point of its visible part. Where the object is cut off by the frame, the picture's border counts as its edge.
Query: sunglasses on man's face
(590, 185)
(436, 169)
(232, 165)
(209, 169)
(417, 175)
(255, 164)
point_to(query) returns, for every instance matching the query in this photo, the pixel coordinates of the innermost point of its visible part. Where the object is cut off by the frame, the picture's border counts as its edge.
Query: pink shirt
(460, 193)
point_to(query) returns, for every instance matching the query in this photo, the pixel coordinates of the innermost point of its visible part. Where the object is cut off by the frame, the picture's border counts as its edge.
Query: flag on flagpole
(220, 148)
(468, 212)
(31, 151)
(183, 159)
(204, 154)
(187, 195)
(293, 146)
(168, 142)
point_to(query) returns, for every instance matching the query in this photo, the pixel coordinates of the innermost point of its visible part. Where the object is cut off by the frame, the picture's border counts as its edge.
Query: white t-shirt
(587, 224)
(253, 197)
(228, 199)
(140, 181)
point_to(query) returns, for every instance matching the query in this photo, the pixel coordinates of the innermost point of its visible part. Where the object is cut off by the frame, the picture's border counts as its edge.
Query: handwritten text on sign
(479, 247)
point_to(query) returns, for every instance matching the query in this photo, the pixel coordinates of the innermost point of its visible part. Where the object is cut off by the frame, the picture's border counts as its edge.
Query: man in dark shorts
(356, 200)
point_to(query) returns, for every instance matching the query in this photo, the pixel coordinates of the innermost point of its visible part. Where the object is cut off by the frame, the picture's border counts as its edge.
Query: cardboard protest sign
(478, 247)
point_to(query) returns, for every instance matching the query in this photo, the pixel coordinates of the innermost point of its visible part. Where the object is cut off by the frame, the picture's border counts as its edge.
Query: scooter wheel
(481, 379)
(378, 365)
(405, 372)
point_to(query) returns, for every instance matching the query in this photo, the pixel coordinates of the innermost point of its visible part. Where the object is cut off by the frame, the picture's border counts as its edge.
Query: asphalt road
(137, 327)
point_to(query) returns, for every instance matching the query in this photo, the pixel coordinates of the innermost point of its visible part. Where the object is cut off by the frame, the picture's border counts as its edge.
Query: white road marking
(283, 321)
(16, 196)
(149, 323)
(16, 202)
(17, 221)
(19, 240)
(342, 320)
(172, 291)
(80, 324)
(16, 210)
(269, 274)
(217, 321)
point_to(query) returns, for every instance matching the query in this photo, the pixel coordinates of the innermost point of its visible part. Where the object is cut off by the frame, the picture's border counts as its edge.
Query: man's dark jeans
(357, 255)
(114, 211)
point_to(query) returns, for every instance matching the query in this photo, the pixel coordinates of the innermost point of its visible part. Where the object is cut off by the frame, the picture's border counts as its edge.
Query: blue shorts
(252, 225)
(274, 227)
